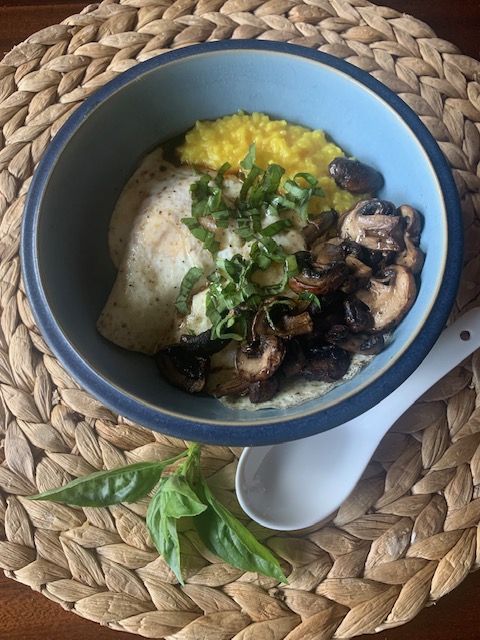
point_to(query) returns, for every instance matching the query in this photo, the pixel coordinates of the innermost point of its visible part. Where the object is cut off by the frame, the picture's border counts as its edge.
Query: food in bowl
(65, 259)
(255, 258)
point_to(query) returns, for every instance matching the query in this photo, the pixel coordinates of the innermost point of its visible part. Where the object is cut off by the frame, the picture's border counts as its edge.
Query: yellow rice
(297, 149)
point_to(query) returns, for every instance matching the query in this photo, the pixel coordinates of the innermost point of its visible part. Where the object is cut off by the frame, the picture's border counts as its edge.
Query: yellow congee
(211, 144)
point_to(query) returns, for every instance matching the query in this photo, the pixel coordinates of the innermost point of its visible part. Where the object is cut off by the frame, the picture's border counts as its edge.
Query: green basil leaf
(163, 531)
(263, 194)
(232, 268)
(232, 327)
(311, 297)
(312, 181)
(227, 538)
(177, 499)
(249, 160)
(272, 180)
(274, 250)
(260, 257)
(190, 279)
(221, 174)
(294, 190)
(276, 227)
(279, 305)
(244, 230)
(290, 268)
(202, 234)
(253, 175)
(213, 314)
(103, 488)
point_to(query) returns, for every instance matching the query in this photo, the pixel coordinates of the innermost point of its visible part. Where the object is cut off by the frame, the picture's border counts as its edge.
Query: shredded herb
(311, 297)
(187, 285)
(233, 293)
(277, 304)
(202, 234)
(297, 197)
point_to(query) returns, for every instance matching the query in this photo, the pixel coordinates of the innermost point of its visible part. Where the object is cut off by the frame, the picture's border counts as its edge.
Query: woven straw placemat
(408, 534)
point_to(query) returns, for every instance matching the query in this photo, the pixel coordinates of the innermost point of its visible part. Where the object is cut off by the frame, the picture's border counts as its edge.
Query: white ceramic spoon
(296, 484)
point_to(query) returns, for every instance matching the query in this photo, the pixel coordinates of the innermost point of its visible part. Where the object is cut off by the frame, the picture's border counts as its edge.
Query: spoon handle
(455, 343)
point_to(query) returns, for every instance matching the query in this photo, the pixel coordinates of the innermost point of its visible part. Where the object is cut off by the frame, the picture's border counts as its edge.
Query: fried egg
(153, 250)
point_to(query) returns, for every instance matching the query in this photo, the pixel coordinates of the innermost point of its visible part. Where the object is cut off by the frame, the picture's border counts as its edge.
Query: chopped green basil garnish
(311, 297)
(278, 303)
(202, 234)
(276, 227)
(233, 294)
(190, 279)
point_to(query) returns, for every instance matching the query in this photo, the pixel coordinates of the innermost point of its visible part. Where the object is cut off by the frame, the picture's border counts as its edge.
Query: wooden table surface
(26, 615)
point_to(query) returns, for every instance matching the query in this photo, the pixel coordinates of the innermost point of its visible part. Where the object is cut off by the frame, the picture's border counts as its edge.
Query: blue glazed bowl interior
(68, 273)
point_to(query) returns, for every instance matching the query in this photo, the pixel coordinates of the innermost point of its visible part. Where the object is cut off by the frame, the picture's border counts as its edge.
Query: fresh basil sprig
(183, 493)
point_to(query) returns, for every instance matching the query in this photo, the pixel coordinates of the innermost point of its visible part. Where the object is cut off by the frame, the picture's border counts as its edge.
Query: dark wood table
(26, 615)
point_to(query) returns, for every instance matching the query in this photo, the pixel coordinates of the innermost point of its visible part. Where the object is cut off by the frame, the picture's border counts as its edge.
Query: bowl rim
(250, 432)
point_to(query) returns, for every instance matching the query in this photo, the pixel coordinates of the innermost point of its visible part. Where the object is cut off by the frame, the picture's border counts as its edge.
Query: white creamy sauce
(296, 390)
(153, 250)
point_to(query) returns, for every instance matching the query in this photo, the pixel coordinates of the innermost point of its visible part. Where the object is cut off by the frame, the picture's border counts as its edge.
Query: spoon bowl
(296, 484)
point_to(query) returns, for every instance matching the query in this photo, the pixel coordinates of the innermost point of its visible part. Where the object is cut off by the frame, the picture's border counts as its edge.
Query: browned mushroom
(263, 390)
(355, 176)
(327, 252)
(236, 386)
(317, 227)
(286, 322)
(412, 256)
(294, 359)
(340, 336)
(412, 222)
(358, 316)
(359, 274)
(297, 325)
(317, 276)
(183, 368)
(389, 296)
(260, 359)
(374, 224)
(257, 391)
(325, 362)
(202, 344)
(354, 249)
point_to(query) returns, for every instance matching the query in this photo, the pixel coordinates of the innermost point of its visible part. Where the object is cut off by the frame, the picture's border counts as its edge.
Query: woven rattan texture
(405, 538)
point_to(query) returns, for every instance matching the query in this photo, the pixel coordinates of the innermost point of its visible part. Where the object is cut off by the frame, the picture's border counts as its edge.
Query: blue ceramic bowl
(68, 273)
